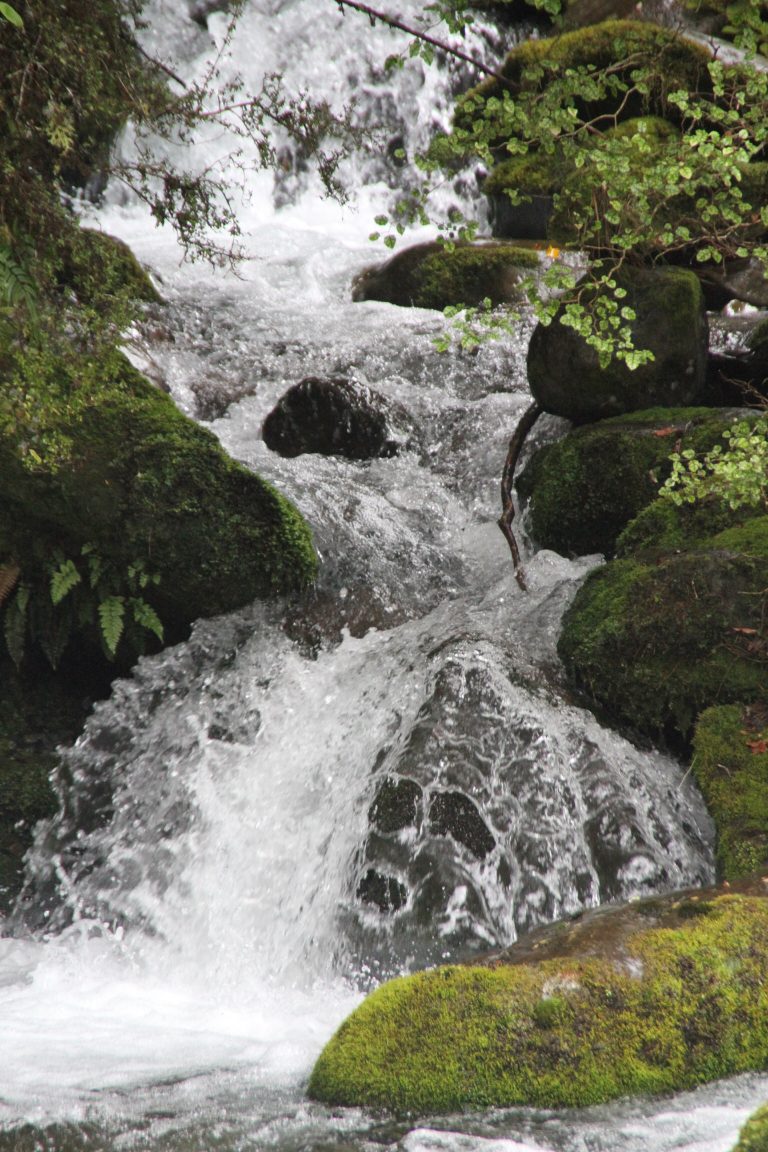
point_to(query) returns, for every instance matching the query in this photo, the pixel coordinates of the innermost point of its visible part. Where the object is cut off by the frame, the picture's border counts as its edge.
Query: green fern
(63, 580)
(17, 288)
(146, 617)
(111, 615)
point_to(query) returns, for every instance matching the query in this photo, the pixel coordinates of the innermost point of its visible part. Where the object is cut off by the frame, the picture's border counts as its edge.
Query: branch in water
(526, 422)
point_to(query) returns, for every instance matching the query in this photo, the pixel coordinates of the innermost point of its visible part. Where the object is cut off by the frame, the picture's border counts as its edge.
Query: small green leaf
(11, 15)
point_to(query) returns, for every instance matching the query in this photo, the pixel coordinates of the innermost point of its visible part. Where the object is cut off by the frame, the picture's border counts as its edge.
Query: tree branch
(391, 22)
(524, 425)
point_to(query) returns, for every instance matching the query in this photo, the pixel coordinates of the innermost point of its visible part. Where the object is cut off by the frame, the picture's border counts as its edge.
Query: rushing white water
(198, 915)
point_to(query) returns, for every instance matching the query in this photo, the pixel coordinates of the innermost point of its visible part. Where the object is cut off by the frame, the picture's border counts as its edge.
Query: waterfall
(201, 914)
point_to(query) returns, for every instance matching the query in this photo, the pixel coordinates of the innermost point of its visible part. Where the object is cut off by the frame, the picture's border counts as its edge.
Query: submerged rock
(655, 996)
(493, 814)
(337, 417)
(564, 371)
(434, 276)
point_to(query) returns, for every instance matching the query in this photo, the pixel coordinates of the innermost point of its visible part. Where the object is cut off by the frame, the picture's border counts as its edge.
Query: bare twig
(391, 22)
(525, 423)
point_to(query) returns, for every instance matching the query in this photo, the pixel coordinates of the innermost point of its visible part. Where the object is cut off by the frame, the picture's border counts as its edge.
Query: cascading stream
(307, 796)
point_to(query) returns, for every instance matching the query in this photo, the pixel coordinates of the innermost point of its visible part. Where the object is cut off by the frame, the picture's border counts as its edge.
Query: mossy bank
(654, 997)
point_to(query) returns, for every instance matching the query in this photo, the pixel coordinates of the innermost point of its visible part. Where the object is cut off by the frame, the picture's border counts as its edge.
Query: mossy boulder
(654, 641)
(656, 996)
(584, 489)
(434, 276)
(143, 484)
(96, 265)
(542, 195)
(673, 62)
(730, 763)
(564, 371)
(754, 1134)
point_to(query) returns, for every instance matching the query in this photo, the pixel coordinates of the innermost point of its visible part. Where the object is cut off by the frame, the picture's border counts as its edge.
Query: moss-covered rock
(730, 763)
(565, 375)
(664, 527)
(96, 265)
(655, 643)
(541, 195)
(657, 996)
(433, 276)
(754, 1134)
(584, 489)
(142, 484)
(673, 61)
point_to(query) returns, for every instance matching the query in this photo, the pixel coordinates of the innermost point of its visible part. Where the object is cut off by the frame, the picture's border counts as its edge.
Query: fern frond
(146, 617)
(63, 580)
(17, 288)
(111, 613)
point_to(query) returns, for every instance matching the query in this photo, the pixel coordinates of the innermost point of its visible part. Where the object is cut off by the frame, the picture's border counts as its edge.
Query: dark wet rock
(337, 417)
(396, 805)
(565, 374)
(433, 276)
(386, 892)
(320, 618)
(740, 280)
(454, 814)
(214, 394)
(485, 841)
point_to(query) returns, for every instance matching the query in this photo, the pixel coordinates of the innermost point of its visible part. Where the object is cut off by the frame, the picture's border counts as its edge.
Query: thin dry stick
(373, 14)
(9, 574)
(525, 423)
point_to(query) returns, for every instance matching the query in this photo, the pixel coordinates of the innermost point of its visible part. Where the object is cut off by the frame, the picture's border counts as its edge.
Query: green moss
(687, 1005)
(433, 276)
(730, 764)
(653, 643)
(584, 489)
(537, 173)
(97, 265)
(565, 374)
(754, 1135)
(674, 63)
(144, 483)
